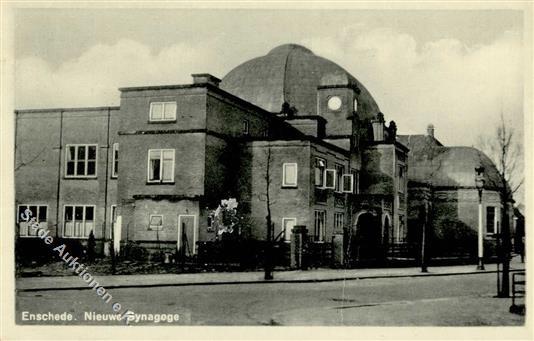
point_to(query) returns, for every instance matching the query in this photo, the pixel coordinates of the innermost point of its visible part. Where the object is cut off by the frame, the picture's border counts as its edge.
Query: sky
(455, 69)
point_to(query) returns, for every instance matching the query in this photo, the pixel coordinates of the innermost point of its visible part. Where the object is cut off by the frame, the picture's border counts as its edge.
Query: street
(456, 300)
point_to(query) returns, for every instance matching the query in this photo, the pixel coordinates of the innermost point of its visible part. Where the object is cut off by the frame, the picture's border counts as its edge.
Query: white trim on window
(287, 234)
(319, 230)
(25, 226)
(115, 160)
(339, 221)
(340, 170)
(286, 173)
(246, 127)
(155, 227)
(162, 111)
(161, 158)
(75, 161)
(330, 179)
(83, 228)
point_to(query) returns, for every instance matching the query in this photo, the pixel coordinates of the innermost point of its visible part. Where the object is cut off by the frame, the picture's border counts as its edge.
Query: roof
(446, 166)
(291, 73)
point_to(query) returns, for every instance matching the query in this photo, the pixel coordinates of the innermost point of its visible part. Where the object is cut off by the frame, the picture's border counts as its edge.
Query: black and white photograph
(171, 165)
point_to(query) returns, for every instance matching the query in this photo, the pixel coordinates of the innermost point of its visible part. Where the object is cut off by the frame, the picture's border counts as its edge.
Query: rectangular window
(161, 165)
(339, 218)
(401, 180)
(340, 169)
(80, 161)
(289, 175)
(348, 183)
(39, 212)
(156, 222)
(356, 179)
(115, 161)
(246, 127)
(319, 226)
(162, 111)
(320, 167)
(490, 220)
(330, 179)
(78, 221)
(287, 225)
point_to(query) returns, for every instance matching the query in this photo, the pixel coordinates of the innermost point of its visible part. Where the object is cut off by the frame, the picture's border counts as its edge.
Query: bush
(134, 251)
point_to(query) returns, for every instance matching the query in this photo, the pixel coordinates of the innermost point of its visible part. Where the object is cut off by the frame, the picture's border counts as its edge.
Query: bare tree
(266, 197)
(506, 152)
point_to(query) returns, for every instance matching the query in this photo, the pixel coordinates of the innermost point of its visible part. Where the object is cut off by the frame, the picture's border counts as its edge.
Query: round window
(334, 103)
(355, 105)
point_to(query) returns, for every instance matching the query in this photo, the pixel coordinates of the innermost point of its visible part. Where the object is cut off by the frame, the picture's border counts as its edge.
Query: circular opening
(334, 103)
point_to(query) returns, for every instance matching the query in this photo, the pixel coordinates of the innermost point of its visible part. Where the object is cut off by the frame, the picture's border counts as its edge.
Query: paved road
(449, 300)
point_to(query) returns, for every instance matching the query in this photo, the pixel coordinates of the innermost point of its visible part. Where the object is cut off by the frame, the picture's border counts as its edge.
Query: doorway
(187, 234)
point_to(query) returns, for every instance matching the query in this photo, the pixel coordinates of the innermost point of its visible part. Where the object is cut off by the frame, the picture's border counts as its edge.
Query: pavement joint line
(310, 280)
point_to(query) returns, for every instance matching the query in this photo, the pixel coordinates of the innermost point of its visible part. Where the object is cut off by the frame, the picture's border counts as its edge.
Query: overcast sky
(455, 69)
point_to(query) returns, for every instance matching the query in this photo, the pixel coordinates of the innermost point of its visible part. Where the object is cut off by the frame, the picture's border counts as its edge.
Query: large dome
(290, 73)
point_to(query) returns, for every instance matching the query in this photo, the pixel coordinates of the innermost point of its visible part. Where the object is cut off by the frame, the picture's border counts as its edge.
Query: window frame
(351, 189)
(495, 224)
(115, 160)
(163, 119)
(285, 184)
(319, 232)
(401, 178)
(38, 220)
(161, 180)
(246, 127)
(323, 170)
(284, 219)
(86, 160)
(64, 221)
(154, 227)
(326, 172)
(356, 180)
(337, 215)
(340, 171)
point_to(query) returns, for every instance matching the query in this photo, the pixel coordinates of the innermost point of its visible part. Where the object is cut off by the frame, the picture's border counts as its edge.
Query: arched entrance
(367, 238)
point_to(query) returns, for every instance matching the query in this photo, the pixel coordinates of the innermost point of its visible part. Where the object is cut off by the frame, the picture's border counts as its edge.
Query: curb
(282, 281)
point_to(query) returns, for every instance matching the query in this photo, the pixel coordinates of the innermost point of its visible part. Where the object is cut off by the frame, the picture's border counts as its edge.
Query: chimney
(430, 130)
(205, 78)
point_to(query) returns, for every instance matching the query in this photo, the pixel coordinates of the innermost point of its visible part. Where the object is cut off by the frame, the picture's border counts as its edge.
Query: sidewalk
(297, 276)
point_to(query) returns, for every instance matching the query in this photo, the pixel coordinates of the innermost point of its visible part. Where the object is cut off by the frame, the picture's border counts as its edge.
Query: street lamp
(479, 183)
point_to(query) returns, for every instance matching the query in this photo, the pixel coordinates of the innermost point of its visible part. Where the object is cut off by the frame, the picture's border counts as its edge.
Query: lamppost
(479, 183)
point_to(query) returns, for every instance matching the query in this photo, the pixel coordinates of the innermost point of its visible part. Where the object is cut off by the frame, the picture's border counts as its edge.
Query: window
(161, 165)
(491, 222)
(78, 221)
(115, 161)
(39, 212)
(338, 221)
(246, 127)
(320, 224)
(156, 222)
(81, 161)
(289, 176)
(320, 167)
(356, 179)
(162, 111)
(402, 179)
(330, 178)
(355, 105)
(287, 225)
(348, 183)
(334, 103)
(340, 169)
